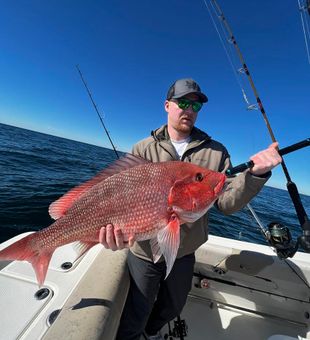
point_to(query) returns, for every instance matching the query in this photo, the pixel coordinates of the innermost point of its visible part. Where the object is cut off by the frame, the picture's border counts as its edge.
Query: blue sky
(131, 51)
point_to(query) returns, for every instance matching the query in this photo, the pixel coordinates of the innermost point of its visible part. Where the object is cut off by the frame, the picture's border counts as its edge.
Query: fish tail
(23, 250)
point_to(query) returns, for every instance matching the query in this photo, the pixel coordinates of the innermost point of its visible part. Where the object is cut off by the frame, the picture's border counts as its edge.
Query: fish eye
(199, 177)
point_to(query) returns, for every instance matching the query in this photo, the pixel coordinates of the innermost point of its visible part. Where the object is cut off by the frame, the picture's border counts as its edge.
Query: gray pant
(153, 301)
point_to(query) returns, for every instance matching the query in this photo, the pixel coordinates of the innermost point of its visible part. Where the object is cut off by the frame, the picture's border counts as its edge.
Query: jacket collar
(197, 135)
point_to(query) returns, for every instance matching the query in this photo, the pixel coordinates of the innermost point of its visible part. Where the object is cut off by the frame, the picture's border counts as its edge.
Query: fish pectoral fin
(82, 247)
(169, 241)
(40, 265)
(156, 251)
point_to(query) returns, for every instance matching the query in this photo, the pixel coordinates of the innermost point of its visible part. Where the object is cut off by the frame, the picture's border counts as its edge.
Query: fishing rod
(304, 8)
(247, 165)
(304, 239)
(277, 235)
(180, 328)
(96, 109)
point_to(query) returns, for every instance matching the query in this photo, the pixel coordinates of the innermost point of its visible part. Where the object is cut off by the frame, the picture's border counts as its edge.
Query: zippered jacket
(206, 152)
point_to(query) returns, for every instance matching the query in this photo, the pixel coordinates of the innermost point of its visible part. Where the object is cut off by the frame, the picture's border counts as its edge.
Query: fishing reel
(280, 238)
(179, 330)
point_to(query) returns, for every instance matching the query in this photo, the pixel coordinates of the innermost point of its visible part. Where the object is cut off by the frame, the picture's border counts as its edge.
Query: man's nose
(190, 109)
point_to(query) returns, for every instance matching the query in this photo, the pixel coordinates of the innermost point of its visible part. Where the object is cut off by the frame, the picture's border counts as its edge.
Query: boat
(240, 290)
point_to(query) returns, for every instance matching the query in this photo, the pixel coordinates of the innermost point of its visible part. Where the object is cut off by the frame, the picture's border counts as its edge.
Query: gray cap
(183, 87)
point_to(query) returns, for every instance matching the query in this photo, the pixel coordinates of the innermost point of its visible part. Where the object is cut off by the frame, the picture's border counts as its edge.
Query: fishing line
(231, 57)
(223, 45)
(304, 280)
(304, 22)
(304, 239)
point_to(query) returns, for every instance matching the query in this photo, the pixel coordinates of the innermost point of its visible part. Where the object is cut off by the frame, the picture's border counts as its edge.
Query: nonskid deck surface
(208, 319)
(243, 291)
(239, 290)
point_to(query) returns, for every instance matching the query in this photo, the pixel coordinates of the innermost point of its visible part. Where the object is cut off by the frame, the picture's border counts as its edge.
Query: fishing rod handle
(239, 168)
(294, 147)
(284, 151)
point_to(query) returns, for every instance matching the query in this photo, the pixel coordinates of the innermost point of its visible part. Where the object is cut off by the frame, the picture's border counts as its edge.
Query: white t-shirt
(180, 145)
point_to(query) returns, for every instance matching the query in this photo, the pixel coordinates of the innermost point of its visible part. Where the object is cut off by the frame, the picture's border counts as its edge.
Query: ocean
(36, 169)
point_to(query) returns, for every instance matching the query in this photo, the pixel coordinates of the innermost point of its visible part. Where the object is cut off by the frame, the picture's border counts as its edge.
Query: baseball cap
(183, 87)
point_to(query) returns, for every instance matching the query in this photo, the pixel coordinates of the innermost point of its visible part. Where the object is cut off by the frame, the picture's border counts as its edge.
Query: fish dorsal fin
(169, 241)
(59, 207)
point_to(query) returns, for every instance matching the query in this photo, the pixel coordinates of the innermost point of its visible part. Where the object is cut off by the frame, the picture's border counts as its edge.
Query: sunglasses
(184, 104)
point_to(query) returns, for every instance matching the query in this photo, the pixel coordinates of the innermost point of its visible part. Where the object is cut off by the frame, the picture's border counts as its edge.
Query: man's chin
(184, 128)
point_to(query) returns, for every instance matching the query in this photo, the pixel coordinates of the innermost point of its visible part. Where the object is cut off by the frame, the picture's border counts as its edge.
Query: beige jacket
(208, 153)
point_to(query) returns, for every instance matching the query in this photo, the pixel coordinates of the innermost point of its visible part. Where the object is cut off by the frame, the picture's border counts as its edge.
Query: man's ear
(167, 103)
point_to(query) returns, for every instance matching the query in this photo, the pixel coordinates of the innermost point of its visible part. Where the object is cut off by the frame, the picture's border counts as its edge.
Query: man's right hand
(112, 238)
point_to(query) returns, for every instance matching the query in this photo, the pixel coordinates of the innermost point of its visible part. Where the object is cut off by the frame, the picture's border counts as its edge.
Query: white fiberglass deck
(240, 291)
(207, 319)
(244, 291)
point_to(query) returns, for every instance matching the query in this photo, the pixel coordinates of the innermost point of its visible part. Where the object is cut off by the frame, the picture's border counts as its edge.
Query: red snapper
(146, 200)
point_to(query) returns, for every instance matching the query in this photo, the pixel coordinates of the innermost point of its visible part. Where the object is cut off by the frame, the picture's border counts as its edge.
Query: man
(153, 301)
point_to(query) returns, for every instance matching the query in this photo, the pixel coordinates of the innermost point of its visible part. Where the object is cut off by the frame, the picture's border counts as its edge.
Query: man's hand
(112, 238)
(265, 160)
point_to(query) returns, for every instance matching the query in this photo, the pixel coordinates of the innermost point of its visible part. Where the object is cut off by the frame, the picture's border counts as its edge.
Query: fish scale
(145, 200)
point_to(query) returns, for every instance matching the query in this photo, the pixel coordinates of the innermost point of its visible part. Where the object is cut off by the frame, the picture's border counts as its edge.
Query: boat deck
(244, 291)
(239, 291)
(207, 319)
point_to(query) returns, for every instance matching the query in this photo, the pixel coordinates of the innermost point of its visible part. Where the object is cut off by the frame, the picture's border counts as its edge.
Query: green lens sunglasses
(184, 104)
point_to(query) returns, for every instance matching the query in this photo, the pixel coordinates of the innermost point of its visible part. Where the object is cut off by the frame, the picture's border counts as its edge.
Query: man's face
(181, 121)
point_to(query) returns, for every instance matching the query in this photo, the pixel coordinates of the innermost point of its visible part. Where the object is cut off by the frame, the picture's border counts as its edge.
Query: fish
(146, 200)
